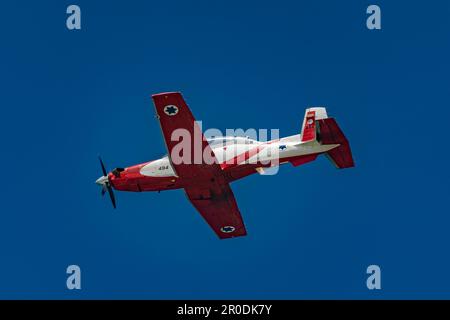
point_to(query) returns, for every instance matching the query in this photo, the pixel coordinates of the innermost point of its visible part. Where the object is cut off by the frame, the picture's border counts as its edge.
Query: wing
(189, 152)
(218, 207)
(205, 185)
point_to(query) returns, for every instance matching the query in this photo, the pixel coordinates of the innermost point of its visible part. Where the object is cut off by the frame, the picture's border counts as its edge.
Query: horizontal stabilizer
(330, 133)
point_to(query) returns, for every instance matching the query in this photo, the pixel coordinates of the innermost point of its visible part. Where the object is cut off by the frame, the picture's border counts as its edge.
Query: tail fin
(318, 127)
(328, 132)
(309, 127)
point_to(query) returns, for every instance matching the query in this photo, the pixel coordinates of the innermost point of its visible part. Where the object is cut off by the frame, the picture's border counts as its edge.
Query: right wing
(205, 187)
(179, 128)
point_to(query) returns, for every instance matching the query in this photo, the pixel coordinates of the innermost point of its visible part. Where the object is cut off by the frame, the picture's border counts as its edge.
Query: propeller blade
(103, 166)
(111, 195)
(106, 184)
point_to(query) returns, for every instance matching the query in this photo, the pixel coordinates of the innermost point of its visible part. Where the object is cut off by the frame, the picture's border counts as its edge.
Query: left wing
(218, 207)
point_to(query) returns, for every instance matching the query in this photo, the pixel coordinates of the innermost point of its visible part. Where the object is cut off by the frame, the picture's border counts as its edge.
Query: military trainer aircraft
(204, 168)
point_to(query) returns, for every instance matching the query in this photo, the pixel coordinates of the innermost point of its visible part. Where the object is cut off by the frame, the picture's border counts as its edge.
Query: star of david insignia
(227, 229)
(171, 110)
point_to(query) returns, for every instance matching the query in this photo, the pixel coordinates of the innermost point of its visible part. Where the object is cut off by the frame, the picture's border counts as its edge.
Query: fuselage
(238, 157)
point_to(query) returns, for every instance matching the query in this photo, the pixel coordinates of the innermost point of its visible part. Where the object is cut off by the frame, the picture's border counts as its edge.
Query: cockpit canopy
(215, 141)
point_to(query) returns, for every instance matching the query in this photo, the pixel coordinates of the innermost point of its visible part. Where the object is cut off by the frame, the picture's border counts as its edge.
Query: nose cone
(102, 180)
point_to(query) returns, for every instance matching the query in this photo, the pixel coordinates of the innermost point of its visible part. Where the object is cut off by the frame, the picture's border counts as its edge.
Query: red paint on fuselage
(130, 179)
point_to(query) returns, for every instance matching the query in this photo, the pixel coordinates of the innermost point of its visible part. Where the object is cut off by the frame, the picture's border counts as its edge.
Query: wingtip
(156, 95)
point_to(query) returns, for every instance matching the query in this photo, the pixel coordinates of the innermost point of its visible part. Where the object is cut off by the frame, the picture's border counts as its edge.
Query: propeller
(106, 184)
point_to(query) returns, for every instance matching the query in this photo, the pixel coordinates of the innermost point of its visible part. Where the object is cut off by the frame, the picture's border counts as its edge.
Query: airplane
(207, 183)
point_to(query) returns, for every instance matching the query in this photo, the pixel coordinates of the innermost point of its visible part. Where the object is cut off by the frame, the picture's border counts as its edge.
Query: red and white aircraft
(207, 183)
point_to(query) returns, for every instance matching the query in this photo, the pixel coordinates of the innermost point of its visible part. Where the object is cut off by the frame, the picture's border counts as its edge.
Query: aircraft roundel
(227, 229)
(171, 110)
(310, 121)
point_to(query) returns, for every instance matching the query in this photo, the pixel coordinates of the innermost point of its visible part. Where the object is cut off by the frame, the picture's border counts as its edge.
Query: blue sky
(67, 96)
